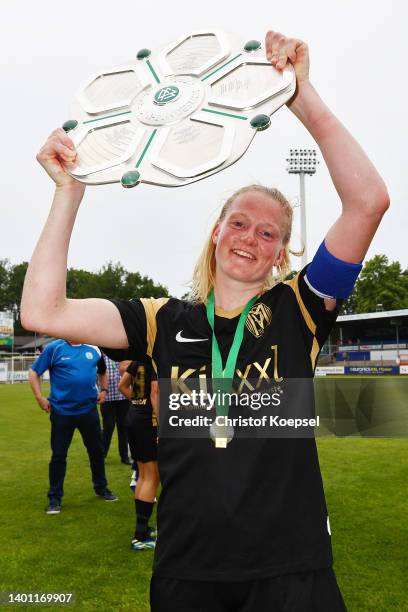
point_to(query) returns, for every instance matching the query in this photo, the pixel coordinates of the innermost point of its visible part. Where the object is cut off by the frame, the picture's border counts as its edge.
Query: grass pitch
(86, 549)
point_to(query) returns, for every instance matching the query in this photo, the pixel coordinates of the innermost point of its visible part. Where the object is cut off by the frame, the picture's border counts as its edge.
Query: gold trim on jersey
(314, 352)
(151, 307)
(294, 284)
(229, 314)
(154, 365)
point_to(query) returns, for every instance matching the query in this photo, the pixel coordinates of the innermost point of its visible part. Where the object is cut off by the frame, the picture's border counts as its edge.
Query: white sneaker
(133, 481)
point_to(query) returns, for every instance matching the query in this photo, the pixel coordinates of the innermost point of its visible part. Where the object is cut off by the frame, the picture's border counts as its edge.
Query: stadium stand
(374, 338)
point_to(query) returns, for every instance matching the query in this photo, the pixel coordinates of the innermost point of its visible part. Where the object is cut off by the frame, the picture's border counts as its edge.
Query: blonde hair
(204, 272)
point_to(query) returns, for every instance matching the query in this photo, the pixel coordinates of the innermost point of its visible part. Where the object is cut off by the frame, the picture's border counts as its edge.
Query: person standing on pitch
(137, 385)
(113, 411)
(74, 369)
(262, 540)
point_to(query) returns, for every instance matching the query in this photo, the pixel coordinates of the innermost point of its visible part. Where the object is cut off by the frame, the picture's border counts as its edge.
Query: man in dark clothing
(114, 411)
(73, 369)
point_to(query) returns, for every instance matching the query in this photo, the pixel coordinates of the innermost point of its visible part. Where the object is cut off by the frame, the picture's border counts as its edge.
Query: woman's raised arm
(44, 305)
(361, 189)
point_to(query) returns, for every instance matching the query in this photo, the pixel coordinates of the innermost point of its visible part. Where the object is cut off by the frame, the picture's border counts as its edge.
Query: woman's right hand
(58, 155)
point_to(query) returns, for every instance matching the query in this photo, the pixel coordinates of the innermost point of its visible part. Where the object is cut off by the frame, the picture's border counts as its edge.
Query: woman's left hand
(280, 50)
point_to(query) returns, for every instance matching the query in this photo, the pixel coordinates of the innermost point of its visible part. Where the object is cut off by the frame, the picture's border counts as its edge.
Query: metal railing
(14, 367)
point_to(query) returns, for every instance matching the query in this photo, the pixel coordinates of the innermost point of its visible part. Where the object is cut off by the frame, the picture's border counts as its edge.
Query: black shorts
(142, 436)
(314, 591)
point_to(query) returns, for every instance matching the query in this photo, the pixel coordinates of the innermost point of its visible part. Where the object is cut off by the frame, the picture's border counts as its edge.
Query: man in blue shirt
(73, 369)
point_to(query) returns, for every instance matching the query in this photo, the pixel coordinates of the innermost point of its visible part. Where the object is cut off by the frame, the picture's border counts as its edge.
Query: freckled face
(249, 239)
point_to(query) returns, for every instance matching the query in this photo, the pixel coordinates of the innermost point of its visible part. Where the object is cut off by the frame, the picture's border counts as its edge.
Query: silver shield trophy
(176, 115)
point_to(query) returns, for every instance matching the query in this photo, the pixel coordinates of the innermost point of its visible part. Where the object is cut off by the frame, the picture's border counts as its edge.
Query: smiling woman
(242, 518)
(262, 211)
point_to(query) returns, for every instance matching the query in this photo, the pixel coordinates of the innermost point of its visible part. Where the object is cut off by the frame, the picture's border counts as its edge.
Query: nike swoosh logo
(180, 338)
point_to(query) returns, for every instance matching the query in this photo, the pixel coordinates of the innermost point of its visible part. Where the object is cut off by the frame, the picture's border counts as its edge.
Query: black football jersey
(141, 380)
(256, 508)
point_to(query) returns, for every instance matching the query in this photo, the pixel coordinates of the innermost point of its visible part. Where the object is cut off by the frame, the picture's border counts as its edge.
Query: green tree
(136, 285)
(380, 282)
(111, 281)
(290, 275)
(81, 283)
(4, 276)
(14, 289)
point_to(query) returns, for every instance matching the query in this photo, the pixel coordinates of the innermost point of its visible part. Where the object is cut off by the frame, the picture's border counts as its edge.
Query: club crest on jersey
(88, 355)
(258, 319)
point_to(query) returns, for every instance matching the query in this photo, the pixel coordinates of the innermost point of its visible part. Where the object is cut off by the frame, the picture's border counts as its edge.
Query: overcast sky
(49, 49)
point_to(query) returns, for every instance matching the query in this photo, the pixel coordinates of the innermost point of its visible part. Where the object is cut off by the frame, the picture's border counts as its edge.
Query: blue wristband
(330, 277)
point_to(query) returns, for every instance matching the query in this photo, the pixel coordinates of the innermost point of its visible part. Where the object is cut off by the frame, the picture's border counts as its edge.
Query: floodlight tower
(301, 162)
